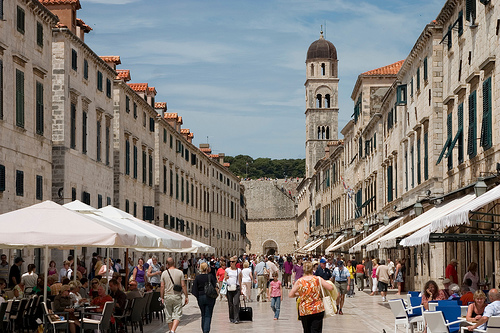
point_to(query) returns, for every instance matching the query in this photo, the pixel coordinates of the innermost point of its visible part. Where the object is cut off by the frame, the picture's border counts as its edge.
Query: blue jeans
(206, 305)
(275, 305)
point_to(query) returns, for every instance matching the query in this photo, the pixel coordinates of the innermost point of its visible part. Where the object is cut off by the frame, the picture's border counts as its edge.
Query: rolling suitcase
(245, 312)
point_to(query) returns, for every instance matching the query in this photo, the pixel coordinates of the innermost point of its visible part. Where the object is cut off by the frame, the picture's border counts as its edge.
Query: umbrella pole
(75, 260)
(127, 271)
(107, 269)
(45, 277)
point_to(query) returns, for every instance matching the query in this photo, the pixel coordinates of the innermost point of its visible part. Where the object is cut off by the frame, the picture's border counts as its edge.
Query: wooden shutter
(2, 178)
(426, 156)
(73, 126)
(470, 10)
(84, 132)
(460, 134)
(39, 187)
(39, 108)
(425, 69)
(19, 98)
(419, 178)
(471, 137)
(389, 183)
(1, 87)
(19, 183)
(486, 127)
(127, 157)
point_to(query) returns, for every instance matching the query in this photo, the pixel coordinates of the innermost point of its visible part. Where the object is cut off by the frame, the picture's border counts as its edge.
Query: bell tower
(321, 100)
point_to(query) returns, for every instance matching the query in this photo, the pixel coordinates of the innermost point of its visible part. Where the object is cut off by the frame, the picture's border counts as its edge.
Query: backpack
(266, 271)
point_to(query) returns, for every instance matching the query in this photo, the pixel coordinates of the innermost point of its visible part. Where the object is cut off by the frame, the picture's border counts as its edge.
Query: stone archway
(270, 247)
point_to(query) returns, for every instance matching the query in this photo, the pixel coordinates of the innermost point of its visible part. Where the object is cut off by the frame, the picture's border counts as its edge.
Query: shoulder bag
(177, 287)
(327, 302)
(209, 289)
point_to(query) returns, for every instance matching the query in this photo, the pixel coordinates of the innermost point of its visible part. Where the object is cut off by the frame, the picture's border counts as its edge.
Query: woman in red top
(220, 275)
(360, 275)
(101, 298)
(431, 293)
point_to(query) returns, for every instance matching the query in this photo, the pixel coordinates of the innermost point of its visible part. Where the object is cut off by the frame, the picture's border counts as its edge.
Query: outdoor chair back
(493, 325)
(451, 314)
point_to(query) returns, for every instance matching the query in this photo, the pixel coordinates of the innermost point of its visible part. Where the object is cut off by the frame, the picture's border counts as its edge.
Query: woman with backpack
(206, 302)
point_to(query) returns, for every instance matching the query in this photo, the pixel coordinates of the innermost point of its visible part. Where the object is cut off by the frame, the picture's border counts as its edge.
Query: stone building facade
(271, 222)
(25, 103)
(425, 138)
(90, 134)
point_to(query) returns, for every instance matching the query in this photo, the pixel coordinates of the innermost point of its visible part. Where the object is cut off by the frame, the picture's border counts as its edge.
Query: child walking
(275, 294)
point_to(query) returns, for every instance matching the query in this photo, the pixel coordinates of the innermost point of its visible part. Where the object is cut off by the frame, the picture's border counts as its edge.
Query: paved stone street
(363, 313)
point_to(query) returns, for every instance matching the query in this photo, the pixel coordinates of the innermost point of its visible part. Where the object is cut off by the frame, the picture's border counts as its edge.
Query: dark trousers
(206, 305)
(313, 323)
(233, 302)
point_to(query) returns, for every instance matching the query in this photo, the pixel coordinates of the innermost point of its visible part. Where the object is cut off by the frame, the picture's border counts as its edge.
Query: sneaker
(236, 322)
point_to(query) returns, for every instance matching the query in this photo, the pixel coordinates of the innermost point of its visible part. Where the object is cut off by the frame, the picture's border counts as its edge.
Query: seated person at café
(492, 309)
(74, 293)
(101, 298)
(431, 293)
(84, 288)
(446, 285)
(3, 285)
(455, 292)
(467, 295)
(118, 277)
(133, 292)
(476, 309)
(19, 290)
(118, 295)
(38, 289)
(55, 287)
(63, 303)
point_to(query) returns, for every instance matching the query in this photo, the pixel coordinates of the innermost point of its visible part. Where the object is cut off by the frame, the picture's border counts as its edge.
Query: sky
(235, 70)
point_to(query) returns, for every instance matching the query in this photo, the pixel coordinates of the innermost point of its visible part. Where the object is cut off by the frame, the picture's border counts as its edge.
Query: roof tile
(114, 59)
(123, 74)
(391, 69)
(82, 24)
(161, 105)
(61, 2)
(141, 87)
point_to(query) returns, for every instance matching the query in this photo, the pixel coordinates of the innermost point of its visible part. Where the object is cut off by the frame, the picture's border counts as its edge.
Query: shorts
(173, 307)
(341, 287)
(382, 286)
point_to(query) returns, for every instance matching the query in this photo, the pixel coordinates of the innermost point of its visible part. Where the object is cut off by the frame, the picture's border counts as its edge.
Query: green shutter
(419, 178)
(73, 126)
(470, 10)
(486, 127)
(98, 141)
(19, 98)
(1, 87)
(460, 116)
(39, 108)
(448, 140)
(127, 157)
(39, 34)
(84, 133)
(136, 157)
(471, 137)
(389, 183)
(418, 79)
(144, 167)
(425, 69)
(460, 133)
(426, 156)
(2, 178)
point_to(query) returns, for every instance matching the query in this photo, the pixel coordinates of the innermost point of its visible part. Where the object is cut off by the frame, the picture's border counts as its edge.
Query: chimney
(221, 158)
(171, 119)
(205, 148)
(82, 29)
(65, 10)
(112, 61)
(161, 108)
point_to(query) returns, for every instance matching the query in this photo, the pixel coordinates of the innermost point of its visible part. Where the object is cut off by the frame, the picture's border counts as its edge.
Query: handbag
(177, 287)
(209, 289)
(223, 289)
(327, 303)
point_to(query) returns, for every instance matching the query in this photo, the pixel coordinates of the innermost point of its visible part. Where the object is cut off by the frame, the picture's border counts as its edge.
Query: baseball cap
(322, 261)
(340, 263)
(454, 260)
(18, 259)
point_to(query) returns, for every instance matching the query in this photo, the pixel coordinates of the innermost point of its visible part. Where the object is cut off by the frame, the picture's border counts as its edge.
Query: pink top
(275, 288)
(374, 272)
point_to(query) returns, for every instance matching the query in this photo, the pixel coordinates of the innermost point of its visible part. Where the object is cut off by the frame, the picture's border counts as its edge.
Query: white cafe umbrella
(49, 225)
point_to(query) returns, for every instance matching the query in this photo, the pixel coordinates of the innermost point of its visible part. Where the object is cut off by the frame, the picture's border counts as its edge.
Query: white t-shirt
(232, 276)
(246, 275)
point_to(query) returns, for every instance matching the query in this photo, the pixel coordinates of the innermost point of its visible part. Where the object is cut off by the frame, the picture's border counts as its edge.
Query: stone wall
(275, 233)
(265, 200)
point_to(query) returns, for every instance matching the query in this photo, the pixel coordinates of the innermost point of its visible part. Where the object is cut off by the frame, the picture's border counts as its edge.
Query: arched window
(323, 132)
(319, 132)
(328, 132)
(312, 70)
(318, 101)
(323, 72)
(327, 101)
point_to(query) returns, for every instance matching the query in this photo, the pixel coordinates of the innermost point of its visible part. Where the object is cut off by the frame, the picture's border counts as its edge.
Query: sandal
(340, 312)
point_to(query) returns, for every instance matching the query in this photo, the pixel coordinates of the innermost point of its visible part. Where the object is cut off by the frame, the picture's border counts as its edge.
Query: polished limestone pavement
(362, 313)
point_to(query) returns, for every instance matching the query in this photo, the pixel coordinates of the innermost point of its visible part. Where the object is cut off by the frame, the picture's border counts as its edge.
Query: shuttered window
(449, 130)
(419, 177)
(84, 132)
(19, 183)
(459, 136)
(73, 126)
(448, 139)
(144, 167)
(1, 88)
(171, 183)
(426, 77)
(165, 179)
(19, 98)
(1, 9)
(136, 157)
(470, 10)
(108, 134)
(127, 157)
(74, 59)
(39, 187)
(418, 79)
(426, 156)
(2, 178)
(401, 94)
(99, 201)
(85, 69)
(20, 19)
(127, 104)
(151, 124)
(39, 34)
(99, 80)
(108, 88)
(98, 141)
(150, 170)
(471, 137)
(39, 109)
(486, 127)
(389, 183)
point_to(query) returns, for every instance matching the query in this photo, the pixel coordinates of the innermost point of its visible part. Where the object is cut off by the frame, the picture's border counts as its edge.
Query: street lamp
(386, 219)
(346, 232)
(480, 187)
(366, 226)
(354, 231)
(419, 209)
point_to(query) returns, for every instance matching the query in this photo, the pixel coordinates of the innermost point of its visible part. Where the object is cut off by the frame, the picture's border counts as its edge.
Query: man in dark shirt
(15, 272)
(118, 295)
(322, 271)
